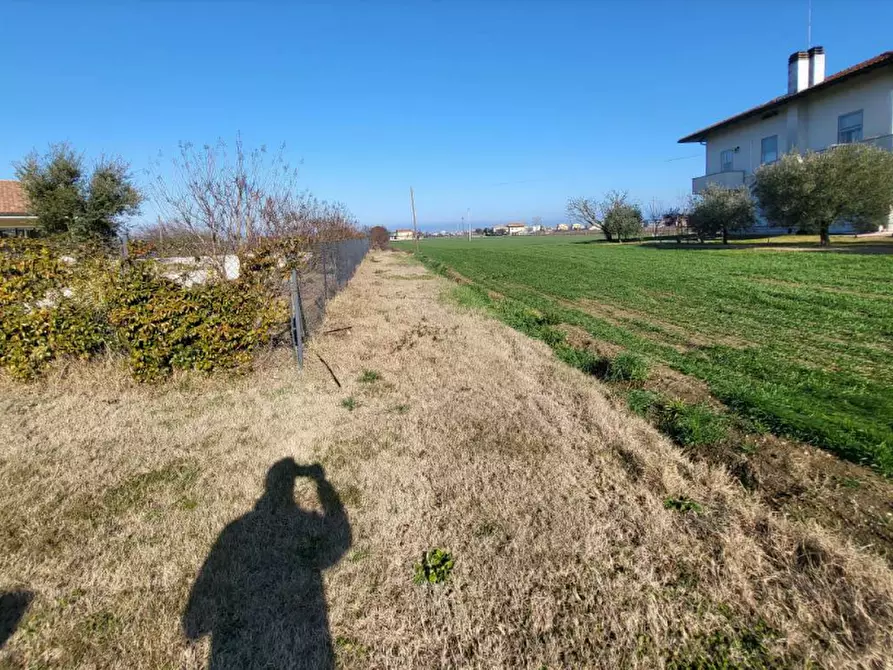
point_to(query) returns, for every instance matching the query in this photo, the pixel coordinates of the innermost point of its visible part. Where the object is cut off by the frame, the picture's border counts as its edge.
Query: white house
(403, 234)
(817, 112)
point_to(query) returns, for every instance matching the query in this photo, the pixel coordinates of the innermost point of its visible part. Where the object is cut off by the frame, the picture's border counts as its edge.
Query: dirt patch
(681, 338)
(581, 339)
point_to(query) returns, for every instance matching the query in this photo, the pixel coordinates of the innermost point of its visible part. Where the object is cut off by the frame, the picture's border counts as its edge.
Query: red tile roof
(880, 60)
(12, 198)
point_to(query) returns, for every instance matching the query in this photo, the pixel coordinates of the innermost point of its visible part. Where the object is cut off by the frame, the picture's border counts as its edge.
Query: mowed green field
(798, 342)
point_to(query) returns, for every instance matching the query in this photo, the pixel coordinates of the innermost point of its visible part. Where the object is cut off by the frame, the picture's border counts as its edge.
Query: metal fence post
(325, 276)
(297, 320)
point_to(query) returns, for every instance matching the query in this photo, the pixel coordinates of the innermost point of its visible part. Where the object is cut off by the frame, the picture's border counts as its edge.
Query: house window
(725, 160)
(849, 128)
(769, 150)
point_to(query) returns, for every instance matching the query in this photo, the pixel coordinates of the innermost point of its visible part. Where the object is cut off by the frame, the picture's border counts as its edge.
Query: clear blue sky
(504, 107)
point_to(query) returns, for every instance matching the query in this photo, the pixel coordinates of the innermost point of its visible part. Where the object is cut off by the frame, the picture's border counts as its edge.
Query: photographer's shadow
(259, 593)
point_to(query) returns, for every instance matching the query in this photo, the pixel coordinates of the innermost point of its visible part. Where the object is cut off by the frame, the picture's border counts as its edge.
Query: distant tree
(379, 237)
(615, 216)
(717, 209)
(66, 200)
(536, 222)
(622, 219)
(851, 184)
(655, 213)
(586, 212)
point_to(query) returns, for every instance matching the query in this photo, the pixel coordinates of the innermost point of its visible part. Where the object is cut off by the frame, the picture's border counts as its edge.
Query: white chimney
(798, 72)
(816, 65)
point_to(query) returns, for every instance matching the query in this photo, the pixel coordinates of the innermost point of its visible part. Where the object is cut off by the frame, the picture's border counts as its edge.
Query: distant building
(402, 234)
(562, 227)
(500, 230)
(16, 219)
(578, 226)
(515, 228)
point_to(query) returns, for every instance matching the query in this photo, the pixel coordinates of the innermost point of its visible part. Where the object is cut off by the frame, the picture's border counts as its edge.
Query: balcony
(880, 141)
(730, 179)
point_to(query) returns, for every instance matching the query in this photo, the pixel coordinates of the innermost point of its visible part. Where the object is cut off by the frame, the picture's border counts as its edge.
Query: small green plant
(349, 403)
(400, 409)
(369, 377)
(692, 425)
(683, 504)
(434, 568)
(642, 402)
(627, 367)
(851, 482)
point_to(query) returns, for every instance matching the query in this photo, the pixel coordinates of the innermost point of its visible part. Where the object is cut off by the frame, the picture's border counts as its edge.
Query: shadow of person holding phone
(259, 594)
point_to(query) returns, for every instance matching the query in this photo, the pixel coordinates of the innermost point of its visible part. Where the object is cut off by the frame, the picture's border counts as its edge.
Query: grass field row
(798, 343)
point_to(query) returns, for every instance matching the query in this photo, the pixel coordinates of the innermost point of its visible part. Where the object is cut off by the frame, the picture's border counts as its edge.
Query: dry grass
(474, 439)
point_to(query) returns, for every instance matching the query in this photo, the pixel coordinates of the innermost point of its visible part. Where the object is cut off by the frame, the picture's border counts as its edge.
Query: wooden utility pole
(415, 228)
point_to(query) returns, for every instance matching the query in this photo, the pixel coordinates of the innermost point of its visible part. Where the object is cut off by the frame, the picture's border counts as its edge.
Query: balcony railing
(881, 141)
(730, 179)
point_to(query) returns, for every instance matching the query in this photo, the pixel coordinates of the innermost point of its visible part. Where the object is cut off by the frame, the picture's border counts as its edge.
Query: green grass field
(799, 343)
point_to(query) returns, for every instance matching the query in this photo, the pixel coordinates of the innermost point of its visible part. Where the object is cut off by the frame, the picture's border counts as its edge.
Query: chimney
(798, 72)
(816, 65)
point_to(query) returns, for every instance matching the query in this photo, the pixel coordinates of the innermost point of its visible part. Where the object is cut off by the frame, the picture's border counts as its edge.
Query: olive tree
(718, 209)
(622, 219)
(852, 183)
(615, 216)
(67, 198)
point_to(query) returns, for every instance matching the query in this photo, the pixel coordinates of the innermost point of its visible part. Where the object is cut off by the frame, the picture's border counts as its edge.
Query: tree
(615, 216)
(536, 223)
(66, 200)
(718, 209)
(379, 237)
(655, 213)
(621, 218)
(586, 211)
(852, 183)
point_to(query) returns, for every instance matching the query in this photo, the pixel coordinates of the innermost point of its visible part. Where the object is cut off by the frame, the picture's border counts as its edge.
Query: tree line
(214, 199)
(850, 184)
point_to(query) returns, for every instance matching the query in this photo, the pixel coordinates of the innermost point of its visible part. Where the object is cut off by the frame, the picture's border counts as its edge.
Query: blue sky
(504, 107)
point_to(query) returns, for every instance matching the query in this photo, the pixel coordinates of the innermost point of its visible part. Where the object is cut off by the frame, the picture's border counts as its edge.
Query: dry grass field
(160, 527)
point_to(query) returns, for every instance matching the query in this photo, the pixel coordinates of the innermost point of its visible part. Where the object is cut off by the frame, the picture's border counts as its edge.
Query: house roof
(12, 199)
(515, 225)
(864, 67)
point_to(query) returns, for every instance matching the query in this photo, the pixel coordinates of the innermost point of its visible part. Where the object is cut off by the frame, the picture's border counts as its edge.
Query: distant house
(515, 228)
(578, 226)
(500, 230)
(402, 234)
(562, 227)
(16, 219)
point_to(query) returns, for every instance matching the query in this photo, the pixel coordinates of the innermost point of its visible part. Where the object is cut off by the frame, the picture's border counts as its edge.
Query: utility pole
(468, 221)
(415, 228)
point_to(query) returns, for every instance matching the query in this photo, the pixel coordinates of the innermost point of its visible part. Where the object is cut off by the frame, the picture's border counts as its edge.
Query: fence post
(325, 277)
(297, 320)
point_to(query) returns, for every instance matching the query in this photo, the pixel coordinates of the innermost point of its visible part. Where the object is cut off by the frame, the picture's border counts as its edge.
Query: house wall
(810, 123)
(747, 137)
(17, 225)
(872, 93)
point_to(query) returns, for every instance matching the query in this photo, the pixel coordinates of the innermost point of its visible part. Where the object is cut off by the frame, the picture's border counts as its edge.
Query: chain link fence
(329, 267)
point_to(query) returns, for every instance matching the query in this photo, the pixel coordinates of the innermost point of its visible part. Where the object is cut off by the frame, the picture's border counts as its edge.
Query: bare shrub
(378, 236)
(229, 202)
